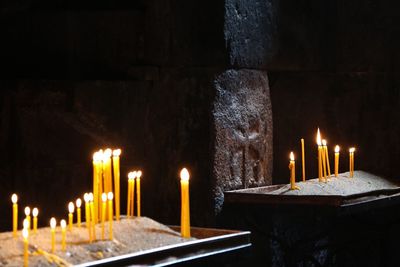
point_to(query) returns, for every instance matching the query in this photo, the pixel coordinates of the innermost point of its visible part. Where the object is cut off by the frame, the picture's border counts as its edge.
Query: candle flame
(14, 198)
(138, 174)
(78, 203)
(337, 149)
(107, 154)
(35, 212)
(104, 197)
(318, 137)
(110, 195)
(71, 207)
(27, 211)
(116, 152)
(323, 142)
(97, 156)
(90, 198)
(86, 197)
(291, 156)
(185, 174)
(25, 233)
(63, 224)
(53, 223)
(25, 224)
(352, 149)
(131, 175)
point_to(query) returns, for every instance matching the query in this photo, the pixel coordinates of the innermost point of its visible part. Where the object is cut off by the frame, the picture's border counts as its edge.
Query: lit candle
(303, 160)
(110, 197)
(103, 213)
(92, 224)
(96, 182)
(28, 216)
(337, 149)
(292, 167)
(100, 180)
(138, 175)
(25, 234)
(351, 151)
(116, 155)
(14, 200)
(324, 159)
(326, 156)
(71, 209)
(185, 206)
(107, 170)
(131, 178)
(63, 224)
(78, 211)
(53, 224)
(87, 215)
(35, 213)
(319, 156)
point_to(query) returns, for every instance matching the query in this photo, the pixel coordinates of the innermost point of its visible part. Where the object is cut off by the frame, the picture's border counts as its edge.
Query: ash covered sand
(362, 182)
(130, 235)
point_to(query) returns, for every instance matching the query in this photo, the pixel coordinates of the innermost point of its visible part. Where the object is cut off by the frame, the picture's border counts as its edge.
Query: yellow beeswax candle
(63, 225)
(71, 209)
(320, 178)
(103, 213)
(303, 160)
(324, 143)
(28, 216)
(91, 211)
(138, 175)
(78, 211)
(35, 213)
(292, 167)
(14, 200)
(25, 234)
(53, 224)
(107, 170)
(351, 152)
(337, 149)
(96, 182)
(324, 160)
(87, 215)
(110, 197)
(185, 205)
(116, 156)
(131, 176)
(100, 181)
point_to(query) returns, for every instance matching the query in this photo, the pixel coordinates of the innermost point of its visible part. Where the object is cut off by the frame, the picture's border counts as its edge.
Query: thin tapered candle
(91, 211)
(319, 156)
(185, 203)
(138, 209)
(14, 200)
(71, 209)
(35, 213)
(53, 224)
(131, 183)
(337, 149)
(326, 156)
(28, 216)
(96, 181)
(63, 225)
(87, 215)
(324, 159)
(110, 197)
(303, 160)
(25, 235)
(116, 158)
(103, 213)
(78, 211)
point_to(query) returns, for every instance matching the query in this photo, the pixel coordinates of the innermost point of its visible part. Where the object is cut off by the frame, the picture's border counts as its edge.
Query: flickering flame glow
(53, 223)
(352, 149)
(27, 211)
(138, 174)
(132, 175)
(78, 203)
(63, 224)
(71, 207)
(104, 197)
(35, 212)
(25, 224)
(110, 195)
(116, 152)
(337, 149)
(97, 156)
(185, 174)
(291, 156)
(14, 198)
(318, 137)
(86, 197)
(107, 154)
(25, 233)
(323, 142)
(90, 197)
